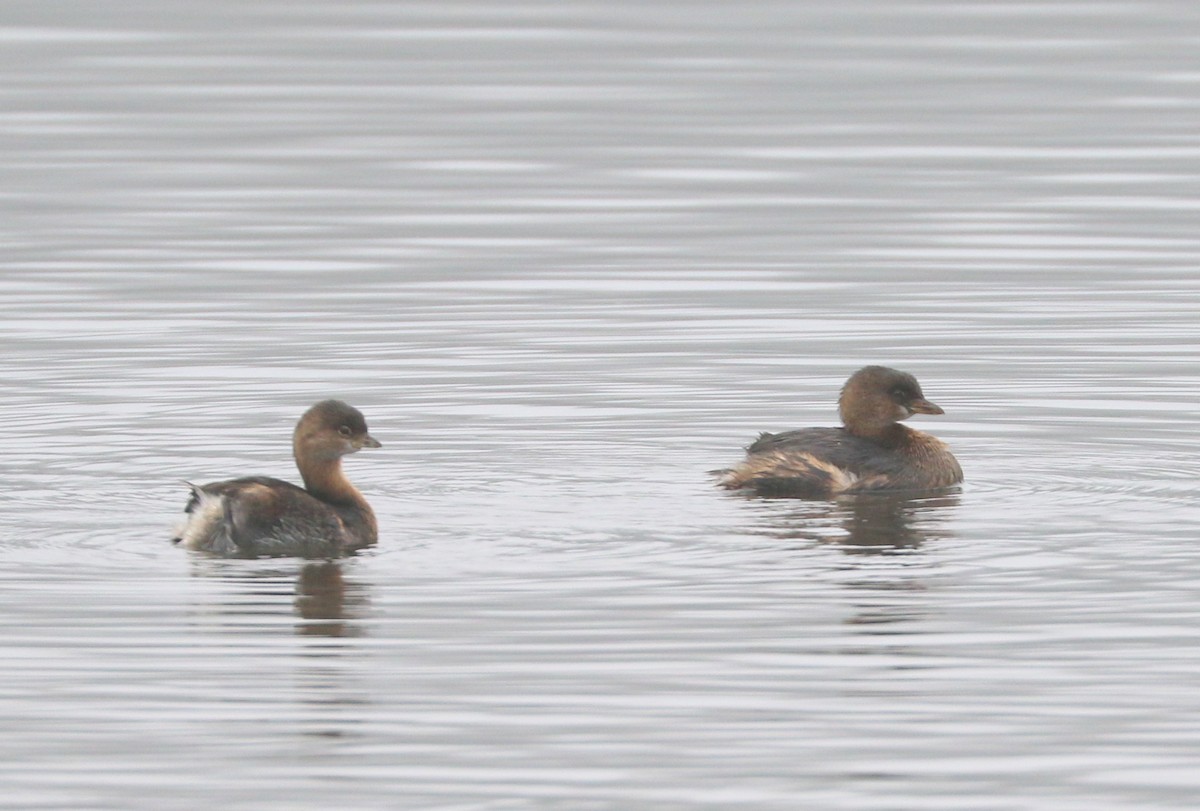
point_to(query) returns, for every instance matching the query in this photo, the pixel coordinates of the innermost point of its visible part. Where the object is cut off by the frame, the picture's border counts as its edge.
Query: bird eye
(899, 395)
(345, 430)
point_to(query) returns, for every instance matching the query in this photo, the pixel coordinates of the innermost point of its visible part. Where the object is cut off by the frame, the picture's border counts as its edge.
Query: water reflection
(305, 616)
(323, 602)
(867, 524)
(889, 522)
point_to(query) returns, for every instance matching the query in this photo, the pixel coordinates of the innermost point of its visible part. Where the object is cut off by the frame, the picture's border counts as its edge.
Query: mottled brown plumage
(871, 452)
(257, 515)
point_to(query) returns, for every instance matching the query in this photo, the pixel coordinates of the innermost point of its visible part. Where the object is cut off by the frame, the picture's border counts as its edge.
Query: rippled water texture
(568, 258)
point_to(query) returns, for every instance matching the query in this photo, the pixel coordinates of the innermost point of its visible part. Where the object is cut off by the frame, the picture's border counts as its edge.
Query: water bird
(261, 516)
(871, 452)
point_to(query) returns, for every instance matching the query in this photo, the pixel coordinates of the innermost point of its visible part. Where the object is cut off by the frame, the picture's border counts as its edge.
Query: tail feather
(206, 525)
(798, 474)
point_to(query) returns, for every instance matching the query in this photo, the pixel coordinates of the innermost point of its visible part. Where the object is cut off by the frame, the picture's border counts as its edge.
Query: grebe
(259, 515)
(872, 452)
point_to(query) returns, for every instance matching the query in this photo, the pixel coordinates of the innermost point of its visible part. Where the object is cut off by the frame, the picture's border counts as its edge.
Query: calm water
(568, 258)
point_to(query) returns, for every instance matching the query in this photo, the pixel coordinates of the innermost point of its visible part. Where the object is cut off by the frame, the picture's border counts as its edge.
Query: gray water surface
(568, 258)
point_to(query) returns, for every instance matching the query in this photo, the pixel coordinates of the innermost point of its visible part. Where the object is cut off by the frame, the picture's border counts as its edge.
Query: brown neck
(325, 480)
(889, 435)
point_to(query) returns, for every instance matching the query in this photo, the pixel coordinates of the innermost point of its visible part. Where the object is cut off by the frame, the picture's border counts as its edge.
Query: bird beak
(370, 442)
(923, 406)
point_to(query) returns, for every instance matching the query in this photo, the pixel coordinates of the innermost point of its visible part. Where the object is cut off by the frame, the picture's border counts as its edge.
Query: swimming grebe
(264, 516)
(872, 452)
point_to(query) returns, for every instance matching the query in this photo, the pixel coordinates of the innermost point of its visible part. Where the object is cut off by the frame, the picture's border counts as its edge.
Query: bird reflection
(887, 522)
(866, 523)
(322, 600)
(317, 604)
(878, 524)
